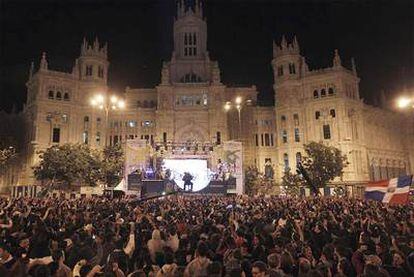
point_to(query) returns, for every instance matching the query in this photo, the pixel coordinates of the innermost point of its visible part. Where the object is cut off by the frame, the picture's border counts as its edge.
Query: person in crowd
(195, 235)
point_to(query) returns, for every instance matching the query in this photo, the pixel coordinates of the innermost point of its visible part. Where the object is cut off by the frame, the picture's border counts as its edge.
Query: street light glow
(238, 100)
(114, 99)
(99, 98)
(403, 102)
(227, 106)
(93, 102)
(121, 104)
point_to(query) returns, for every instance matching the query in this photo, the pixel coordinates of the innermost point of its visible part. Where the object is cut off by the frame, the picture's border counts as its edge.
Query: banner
(233, 156)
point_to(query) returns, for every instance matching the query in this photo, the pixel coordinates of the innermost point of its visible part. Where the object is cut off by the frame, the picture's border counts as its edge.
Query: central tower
(190, 62)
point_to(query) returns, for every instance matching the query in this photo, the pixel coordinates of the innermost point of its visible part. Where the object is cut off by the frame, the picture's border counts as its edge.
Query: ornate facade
(188, 107)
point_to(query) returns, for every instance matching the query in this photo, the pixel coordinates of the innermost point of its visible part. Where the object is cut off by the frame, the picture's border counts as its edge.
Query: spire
(353, 66)
(31, 70)
(84, 46)
(295, 44)
(43, 62)
(96, 44)
(197, 7)
(75, 69)
(201, 10)
(283, 43)
(337, 59)
(178, 9)
(182, 7)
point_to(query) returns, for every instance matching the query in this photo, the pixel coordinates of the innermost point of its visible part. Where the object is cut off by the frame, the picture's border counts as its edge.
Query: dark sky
(379, 34)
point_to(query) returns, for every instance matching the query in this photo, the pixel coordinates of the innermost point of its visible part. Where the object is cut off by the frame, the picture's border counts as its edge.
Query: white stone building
(188, 106)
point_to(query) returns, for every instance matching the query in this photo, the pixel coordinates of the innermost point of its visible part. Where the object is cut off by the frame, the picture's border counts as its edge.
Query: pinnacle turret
(337, 59)
(353, 66)
(286, 48)
(95, 49)
(43, 62)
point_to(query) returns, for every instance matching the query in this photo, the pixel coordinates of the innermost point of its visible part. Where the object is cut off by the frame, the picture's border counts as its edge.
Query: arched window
(58, 95)
(145, 104)
(330, 91)
(86, 119)
(292, 69)
(280, 70)
(66, 96)
(152, 104)
(315, 94)
(332, 112)
(283, 118)
(85, 137)
(98, 138)
(51, 95)
(323, 92)
(317, 115)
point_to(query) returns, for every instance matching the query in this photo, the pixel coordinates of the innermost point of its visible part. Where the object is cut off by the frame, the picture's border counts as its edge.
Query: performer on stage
(187, 178)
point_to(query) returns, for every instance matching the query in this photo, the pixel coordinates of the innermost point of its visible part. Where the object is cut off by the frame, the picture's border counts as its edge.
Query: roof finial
(182, 8)
(337, 59)
(353, 66)
(43, 62)
(31, 70)
(295, 44)
(283, 43)
(197, 7)
(96, 44)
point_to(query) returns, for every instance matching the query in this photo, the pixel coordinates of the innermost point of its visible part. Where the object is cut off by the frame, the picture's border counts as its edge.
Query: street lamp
(405, 102)
(238, 104)
(99, 101)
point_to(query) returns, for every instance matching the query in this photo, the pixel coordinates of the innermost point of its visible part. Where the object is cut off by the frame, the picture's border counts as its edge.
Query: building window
(131, 123)
(98, 121)
(262, 140)
(257, 139)
(332, 112)
(315, 94)
(271, 140)
(326, 131)
(66, 96)
(138, 104)
(283, 118)
(323, 93)
(85, 137)
(164, 137)
(100, 72)
(88, 70)
(116, 140)
(51, 94)
(86, 122)
(280, 70)
(56, 135)
(286, 161)
(296, 119)
(98, 138)
(267, 140)
(284, 136)
(317, 115)
(58, 95)
(297, 137)
(190, 42)
(298, 157)
(218, 138)
(292, 69)
(330, 91)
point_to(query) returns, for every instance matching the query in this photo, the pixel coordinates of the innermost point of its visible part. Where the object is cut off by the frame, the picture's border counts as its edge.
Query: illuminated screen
(197, 168)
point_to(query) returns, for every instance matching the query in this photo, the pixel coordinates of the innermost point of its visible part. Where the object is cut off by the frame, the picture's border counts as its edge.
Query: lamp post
(103, 103)
(238, 104)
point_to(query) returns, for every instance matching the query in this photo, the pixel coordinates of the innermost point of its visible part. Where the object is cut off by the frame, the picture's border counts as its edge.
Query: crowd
(205, 236)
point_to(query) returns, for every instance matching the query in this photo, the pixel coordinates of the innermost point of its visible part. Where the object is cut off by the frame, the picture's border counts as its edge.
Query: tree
(112, 165)
(292, 183)
(6, 154)
(64, 165)
(323, 163)
(256, 183)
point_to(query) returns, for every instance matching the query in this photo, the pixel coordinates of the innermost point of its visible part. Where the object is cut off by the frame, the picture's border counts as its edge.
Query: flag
(393, 191)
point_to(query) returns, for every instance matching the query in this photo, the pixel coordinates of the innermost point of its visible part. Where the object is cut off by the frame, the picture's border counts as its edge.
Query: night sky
(379, 34)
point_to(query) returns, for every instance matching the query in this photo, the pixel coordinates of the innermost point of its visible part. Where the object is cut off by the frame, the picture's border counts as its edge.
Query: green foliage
(292, 183)
(251, 180)
(112, 165)
(6, 154)
(256, 183)
(323, 163)
(68, 164)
